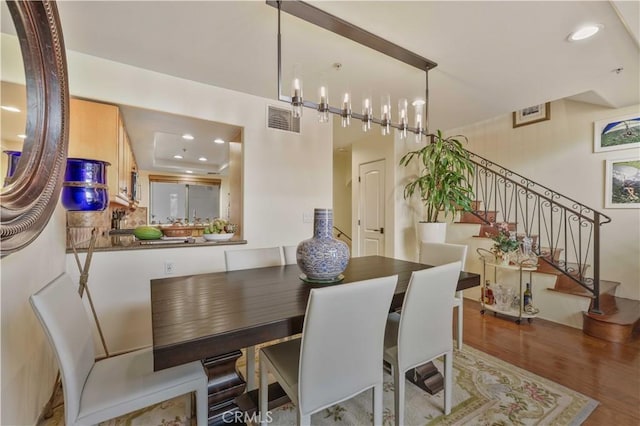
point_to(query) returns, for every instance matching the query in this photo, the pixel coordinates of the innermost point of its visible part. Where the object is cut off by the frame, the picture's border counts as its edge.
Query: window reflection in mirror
(13, 117)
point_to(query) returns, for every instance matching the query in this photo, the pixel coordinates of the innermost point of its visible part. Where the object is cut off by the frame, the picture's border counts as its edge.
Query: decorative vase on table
(322, 258)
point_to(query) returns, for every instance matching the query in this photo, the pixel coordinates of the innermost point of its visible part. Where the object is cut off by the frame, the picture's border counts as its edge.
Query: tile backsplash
(81, 224)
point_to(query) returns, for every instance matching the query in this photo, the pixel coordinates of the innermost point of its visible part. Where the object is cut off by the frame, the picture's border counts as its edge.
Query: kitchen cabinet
(96, 131)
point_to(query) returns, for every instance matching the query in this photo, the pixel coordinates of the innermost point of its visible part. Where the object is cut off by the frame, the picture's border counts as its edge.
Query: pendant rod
(338, 26)
(347, 30)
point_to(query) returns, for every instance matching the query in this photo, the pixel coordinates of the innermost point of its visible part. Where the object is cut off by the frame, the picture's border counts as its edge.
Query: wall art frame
(532, 114)
(616, 133)
(622, 183)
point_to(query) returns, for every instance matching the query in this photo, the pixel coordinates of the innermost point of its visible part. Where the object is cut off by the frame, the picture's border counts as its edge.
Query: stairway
(618, 318)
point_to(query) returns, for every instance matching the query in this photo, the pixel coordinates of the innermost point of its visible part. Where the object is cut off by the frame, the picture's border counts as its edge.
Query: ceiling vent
(282, 119)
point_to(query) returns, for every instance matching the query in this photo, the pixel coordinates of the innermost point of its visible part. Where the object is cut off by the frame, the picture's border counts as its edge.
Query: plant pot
(432, 232)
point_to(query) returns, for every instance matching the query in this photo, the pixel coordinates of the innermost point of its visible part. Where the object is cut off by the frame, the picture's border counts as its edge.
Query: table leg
(225, 384)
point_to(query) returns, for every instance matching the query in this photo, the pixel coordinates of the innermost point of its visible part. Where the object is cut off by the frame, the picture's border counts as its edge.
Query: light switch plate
(307, 217)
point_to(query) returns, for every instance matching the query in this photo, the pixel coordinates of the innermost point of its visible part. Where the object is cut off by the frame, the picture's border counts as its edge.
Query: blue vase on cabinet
(322, 258)
(85, 185)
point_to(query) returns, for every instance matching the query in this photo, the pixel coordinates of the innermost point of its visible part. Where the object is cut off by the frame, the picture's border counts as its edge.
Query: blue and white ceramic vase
(322, 257)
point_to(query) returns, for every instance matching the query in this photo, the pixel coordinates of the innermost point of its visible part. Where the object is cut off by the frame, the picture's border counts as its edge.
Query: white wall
(558, 153)
(28, 364)
(284, 175)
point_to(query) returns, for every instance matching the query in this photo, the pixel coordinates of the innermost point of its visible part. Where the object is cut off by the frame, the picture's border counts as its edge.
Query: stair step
(618, 327)
(488, 216)
(491, 230)
(475, 205)
(572, 269)
(569, 286)
(546, 253)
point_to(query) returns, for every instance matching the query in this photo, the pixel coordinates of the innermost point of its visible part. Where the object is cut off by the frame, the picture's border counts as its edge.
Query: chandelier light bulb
(296, 93)
(323, 105)
(418, 107)
(404, 122)
(385, 109)
(367, 114)
(346, 110)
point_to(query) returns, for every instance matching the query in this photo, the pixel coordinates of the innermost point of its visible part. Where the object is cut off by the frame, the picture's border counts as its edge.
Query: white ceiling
(493, 56)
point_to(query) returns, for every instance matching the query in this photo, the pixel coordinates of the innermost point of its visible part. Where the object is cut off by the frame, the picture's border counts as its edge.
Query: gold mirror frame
(31, 194)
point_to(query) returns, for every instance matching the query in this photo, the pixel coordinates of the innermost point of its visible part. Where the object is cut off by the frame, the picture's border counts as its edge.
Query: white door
(371, 209)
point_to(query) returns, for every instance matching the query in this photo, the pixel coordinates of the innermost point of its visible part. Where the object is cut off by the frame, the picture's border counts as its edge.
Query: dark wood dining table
(210, 317)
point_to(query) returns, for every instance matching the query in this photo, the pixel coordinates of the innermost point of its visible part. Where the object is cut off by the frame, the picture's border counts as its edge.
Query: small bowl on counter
(176, 231)
(218, 237)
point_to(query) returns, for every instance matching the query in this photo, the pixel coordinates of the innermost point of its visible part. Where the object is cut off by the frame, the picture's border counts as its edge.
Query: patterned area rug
(487, 391)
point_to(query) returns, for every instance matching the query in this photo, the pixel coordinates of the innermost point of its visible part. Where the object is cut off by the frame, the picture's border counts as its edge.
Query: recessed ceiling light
(10, 108)
(584, 32)
(22, 136)
(187, 136)
(218, 140)
(202, 158)
(188, 171)
(178, 156)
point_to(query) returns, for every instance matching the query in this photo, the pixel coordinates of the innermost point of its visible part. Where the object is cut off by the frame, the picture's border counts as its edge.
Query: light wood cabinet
(96, 131)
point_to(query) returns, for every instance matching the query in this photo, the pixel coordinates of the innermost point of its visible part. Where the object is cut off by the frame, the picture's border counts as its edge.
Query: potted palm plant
(443, 182)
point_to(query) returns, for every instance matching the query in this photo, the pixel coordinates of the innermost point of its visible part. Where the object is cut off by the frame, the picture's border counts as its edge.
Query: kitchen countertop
(129, 242)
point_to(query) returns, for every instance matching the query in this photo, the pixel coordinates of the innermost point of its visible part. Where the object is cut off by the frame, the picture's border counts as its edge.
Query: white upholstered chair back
(342, 341)
(436, 254)
(60, 310)
(290, 257)
(425, 323)
(252, 258)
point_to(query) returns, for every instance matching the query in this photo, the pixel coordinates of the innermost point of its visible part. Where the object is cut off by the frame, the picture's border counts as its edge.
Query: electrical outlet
(169, 268)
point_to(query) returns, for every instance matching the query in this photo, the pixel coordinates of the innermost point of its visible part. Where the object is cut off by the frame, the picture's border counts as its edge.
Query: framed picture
(617, 133)
(622, 185)
(532, 114)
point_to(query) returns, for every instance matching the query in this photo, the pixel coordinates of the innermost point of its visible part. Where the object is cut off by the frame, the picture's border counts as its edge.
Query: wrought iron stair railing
(567, 231)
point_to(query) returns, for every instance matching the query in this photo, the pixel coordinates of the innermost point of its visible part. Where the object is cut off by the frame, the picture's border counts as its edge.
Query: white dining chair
(422, 331)
(435, 254)
(236, 260)
(290, 257)
(339, 354)
(95, 391)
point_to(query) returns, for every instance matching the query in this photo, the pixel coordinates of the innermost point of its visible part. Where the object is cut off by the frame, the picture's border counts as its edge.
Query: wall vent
(282, 119)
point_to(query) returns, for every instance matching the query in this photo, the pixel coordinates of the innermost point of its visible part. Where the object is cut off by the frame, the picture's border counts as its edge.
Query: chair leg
(251, 368)
(303, 420)
(448, 382)
(202, 407)
(377, 404)
(461, 297)
(398, 395)
(263, 393)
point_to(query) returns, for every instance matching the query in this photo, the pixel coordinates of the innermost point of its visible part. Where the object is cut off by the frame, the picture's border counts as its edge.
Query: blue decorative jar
(322, 258)
(85, 185)
(12, 164)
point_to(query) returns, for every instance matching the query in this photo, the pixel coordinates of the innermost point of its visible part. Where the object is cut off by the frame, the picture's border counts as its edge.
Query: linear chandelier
(420, 124)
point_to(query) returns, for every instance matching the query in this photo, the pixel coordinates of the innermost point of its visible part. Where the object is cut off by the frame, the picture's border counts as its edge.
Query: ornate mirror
(31, 194)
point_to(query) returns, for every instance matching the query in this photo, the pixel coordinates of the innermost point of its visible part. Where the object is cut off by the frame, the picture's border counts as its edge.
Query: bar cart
(507, 306)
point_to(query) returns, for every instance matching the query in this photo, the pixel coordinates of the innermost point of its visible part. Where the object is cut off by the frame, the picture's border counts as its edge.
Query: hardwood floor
(607, 372)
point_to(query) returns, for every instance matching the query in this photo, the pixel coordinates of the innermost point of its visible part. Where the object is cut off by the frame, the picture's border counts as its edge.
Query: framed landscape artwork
(622, 185)
(617, 133)
(532, 114)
